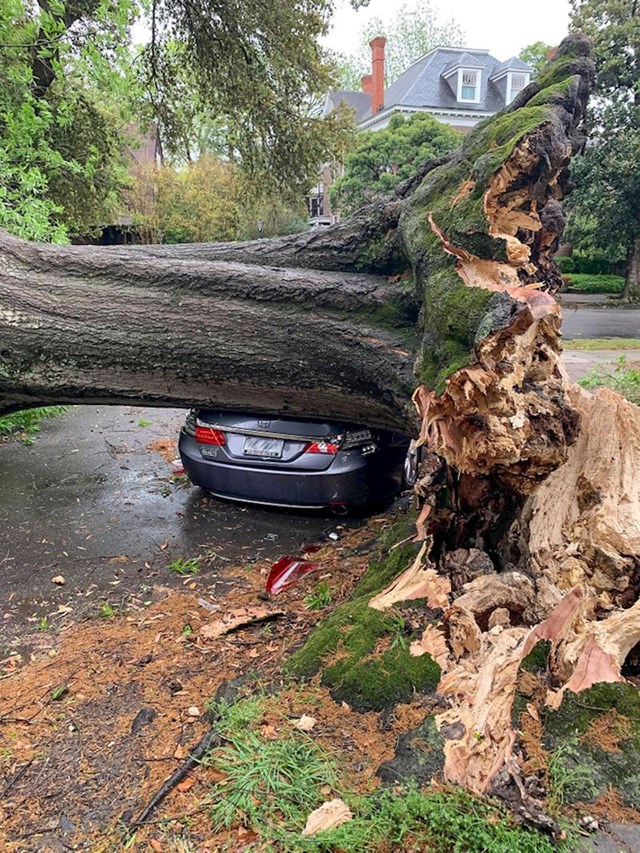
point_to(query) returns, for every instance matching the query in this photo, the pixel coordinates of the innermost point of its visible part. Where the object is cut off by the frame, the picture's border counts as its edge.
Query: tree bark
(632, 279)
(84, 324)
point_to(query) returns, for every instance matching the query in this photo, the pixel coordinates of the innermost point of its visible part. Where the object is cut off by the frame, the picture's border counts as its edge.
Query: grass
(271, 785)
(25, 424)
(319, 599)
(184, 567)
(593, 344)
(107, 611)
(624, 379)
(587, 283)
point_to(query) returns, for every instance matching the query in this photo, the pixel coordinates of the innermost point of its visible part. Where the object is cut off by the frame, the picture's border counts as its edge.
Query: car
(284, 462)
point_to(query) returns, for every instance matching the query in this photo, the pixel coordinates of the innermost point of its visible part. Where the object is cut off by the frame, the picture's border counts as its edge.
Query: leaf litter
(73, 770)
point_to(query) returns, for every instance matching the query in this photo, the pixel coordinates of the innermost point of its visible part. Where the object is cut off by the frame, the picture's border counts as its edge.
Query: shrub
(565, 264)
(583, 283)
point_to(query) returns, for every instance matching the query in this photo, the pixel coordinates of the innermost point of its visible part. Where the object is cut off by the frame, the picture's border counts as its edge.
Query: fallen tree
(529, 516)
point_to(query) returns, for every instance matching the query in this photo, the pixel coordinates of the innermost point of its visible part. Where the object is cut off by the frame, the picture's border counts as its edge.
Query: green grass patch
(25, 425)
(184, 567)
(602, 343)
(271, 786)
(624, 379)
(586, 283)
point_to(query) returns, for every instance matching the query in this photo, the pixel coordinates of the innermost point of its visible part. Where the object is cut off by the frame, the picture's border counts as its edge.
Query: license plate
(271, 448)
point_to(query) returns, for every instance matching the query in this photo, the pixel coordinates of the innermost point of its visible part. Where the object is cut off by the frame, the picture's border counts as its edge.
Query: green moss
(363, 679)
(381, 681)
(538, 657)
(593, 768)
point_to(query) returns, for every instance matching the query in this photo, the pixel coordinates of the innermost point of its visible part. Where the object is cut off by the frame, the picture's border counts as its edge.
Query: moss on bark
(344, 645)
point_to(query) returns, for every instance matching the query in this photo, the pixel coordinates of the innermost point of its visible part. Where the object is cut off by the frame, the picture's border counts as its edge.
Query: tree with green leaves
(380, 160)
(246, 78)
(415, 30)
(536, 55)
(606, 202)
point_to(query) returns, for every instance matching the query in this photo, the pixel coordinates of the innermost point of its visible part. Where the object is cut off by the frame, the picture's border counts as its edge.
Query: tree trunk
(632, 279)
(454, 277)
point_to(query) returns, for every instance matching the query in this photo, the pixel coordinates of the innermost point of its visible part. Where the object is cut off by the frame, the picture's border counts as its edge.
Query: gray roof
(513, 64)
(359, 101)
(422, 84)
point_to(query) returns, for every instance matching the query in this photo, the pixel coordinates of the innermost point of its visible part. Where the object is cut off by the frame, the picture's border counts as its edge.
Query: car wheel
(410, 469)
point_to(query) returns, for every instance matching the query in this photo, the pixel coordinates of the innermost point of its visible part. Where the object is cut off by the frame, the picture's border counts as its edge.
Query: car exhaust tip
(340, 509)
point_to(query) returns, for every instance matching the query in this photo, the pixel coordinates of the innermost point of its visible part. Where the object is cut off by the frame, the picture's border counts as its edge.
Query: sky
(501, 26)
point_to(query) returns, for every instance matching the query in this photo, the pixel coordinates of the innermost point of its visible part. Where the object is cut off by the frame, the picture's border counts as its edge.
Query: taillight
(208, 435)
(328, 447)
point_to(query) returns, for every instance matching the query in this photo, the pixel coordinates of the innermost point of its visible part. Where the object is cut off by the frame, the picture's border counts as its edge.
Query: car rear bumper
(345, 483)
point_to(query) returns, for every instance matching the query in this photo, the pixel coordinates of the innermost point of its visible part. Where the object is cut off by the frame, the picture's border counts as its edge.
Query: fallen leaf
(164, 545)
(269, 732)
(193, 711)
(186, 784)
(155, 845)
(305, 723)
(122, 558)
(58, 580)
(327, 816)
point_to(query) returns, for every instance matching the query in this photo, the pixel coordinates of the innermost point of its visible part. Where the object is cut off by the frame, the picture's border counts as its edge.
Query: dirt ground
(107, 708)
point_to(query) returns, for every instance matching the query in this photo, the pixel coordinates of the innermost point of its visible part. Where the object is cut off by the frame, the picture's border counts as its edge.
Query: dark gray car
(293, 463)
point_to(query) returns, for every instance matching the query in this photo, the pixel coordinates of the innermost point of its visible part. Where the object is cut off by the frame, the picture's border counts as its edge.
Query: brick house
(458, 86)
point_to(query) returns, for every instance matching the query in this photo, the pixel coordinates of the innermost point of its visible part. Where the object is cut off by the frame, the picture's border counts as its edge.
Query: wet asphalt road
(90, 502)
(600, 322)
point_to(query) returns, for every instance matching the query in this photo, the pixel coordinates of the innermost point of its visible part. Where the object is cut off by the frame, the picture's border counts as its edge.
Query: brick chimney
(377, 68)
(367, 84)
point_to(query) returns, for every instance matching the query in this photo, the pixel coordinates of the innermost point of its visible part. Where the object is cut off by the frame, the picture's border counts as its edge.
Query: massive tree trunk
(445, 291)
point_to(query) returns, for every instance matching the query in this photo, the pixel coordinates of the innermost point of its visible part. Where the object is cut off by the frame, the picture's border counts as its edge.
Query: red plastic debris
(286, 571)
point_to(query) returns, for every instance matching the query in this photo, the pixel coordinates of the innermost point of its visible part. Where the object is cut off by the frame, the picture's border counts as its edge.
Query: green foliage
(565, 264)
(537, 55)
(605, 206)
(381, 160)
(624, 379)
(61, 107)
(581, 283)
(25, 424)
(602, 343)
(184, 567)
(319, 599)
(208, 200)
(414, 30)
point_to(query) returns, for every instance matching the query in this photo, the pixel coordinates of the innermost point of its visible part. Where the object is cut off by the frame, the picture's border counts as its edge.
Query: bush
(581, 283)
(587, 265)
(565, 264)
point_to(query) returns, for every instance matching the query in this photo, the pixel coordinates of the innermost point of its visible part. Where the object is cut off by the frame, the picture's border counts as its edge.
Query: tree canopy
(605, 204)
(536, 54)
(243, 79)
(380, 160)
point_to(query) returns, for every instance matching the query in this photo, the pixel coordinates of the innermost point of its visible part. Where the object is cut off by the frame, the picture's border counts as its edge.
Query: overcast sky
(501, 26)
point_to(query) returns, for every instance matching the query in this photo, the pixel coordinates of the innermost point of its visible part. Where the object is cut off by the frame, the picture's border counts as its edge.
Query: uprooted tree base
(529, 514)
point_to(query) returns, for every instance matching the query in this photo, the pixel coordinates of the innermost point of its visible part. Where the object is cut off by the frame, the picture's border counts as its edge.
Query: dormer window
(469, 85)
(516, 82)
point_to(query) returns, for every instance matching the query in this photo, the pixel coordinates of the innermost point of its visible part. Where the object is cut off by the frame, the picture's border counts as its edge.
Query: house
(458, 86)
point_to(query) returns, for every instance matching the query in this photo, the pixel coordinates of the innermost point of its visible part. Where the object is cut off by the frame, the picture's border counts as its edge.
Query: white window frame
(478, 73)
(510, 92)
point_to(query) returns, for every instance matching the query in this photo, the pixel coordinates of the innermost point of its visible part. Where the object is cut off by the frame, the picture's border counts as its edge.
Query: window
(469, 86)
(516, 82)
